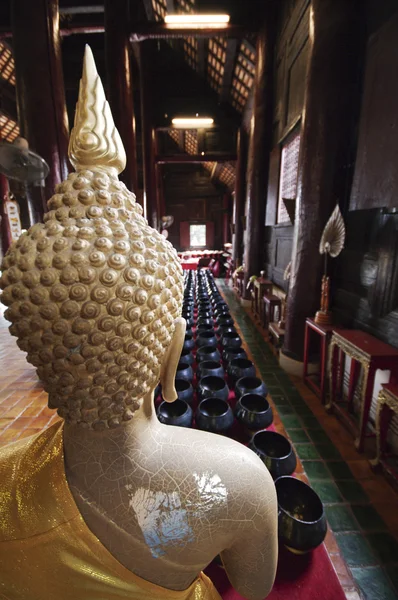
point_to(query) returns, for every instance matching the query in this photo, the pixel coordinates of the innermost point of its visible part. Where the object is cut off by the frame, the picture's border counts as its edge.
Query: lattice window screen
(288, 175)
(7, 65)
(9, 129)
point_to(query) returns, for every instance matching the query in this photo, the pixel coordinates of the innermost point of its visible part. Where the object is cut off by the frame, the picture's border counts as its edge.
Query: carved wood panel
(376, 175)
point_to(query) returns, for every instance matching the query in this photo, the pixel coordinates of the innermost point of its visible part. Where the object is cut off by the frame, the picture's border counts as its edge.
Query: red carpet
(307, 577)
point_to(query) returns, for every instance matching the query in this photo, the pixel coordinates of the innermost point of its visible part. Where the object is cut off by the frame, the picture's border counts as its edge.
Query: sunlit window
(288, 175)
(197, 236)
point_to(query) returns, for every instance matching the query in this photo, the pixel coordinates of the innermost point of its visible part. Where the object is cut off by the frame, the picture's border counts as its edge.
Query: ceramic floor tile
(367, 517)
(352, 491)
(291, 422)
(327, 491)
(298, 436)
(316, 469)
(384, 546)
(356, 550)
(341, 518)
(374, 584)
(339, 469)
(307, 451)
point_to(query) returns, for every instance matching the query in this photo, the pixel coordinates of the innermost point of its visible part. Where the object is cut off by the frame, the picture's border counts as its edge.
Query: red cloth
(307, 577)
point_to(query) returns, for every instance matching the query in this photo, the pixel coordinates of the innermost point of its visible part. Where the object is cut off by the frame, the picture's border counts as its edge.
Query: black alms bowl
(206, 338)
(301, 518)
(254, 412)
(184, 371)
(207, 353)
(214, 415)
(250, 385)
(212, 387)
(230, 339)
(189, 342)
(210, 367)
(187, 357)
(275, 451)
(184, 390)
(177, 413)
(240, 367)
(232, 353)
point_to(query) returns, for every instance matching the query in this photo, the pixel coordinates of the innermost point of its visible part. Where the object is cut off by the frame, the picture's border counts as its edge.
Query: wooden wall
(365, 293)
(191, 196)
(290, 77)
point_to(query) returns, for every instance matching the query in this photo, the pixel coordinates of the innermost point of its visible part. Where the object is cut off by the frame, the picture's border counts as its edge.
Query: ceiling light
(192, 122)
(196, 21)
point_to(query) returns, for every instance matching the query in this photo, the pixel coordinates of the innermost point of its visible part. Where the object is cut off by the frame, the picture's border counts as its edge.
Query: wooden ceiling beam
(215, 174)
(162, 30)
(229, 67)
(194, 158)
(149, 10)
(81, 9)
(171, 8)
(202, 53)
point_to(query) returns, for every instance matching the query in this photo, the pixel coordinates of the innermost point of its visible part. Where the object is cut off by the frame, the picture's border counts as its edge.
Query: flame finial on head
(94, 142)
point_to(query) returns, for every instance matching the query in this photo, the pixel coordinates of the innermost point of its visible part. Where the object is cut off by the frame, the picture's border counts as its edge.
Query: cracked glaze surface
(165, 500)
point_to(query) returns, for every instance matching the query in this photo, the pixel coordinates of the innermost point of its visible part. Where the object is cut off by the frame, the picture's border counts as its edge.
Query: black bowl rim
(214, 362)
(218, 400)
(275, 434)
(179, 401)
(261, 412)
(204, 332)
(180, 365)
(230, 334)
(183, 381)
(213, 377)
(243, 358)
(213, 348)
(301, 483)
(250, 377)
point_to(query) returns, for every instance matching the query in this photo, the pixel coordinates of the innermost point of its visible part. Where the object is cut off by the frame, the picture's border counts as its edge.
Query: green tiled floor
(370, 551)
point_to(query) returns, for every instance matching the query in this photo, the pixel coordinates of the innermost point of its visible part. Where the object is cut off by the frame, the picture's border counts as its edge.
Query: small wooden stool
(277, 335)
(261, 286)
(270, 304)
(387, 406)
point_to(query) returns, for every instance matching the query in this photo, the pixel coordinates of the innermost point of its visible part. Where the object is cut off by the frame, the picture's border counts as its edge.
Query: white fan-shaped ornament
(288, 271)
(333, 236)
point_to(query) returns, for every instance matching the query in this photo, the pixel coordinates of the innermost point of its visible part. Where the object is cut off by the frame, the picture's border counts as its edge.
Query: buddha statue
(108, 503)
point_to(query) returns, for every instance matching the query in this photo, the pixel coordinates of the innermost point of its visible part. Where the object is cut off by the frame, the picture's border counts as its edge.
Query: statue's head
(94, 293)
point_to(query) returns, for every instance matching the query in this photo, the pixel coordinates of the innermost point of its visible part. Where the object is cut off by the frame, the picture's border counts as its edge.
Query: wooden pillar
(148, 135)
(225, 218)
(260, 144)
(119, 79)
(330, 111)
(40, 87)
(239, 197)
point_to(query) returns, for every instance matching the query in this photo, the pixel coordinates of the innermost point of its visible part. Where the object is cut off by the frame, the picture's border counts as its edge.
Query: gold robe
(46, 549)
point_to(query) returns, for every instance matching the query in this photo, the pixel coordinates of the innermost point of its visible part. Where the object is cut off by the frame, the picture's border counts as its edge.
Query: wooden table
(387, 406)
(238, 281)
(325, 333)
(372, 354)
(261, 286)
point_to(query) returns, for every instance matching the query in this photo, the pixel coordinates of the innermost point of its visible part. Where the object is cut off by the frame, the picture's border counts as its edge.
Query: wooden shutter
(210, 235)
(273, 186)
(184, 235)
